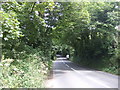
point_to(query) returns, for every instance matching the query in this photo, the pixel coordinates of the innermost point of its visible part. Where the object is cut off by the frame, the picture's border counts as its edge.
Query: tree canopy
(85, 30)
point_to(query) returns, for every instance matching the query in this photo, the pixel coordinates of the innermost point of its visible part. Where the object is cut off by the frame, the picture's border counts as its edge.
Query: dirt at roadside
(49, 81)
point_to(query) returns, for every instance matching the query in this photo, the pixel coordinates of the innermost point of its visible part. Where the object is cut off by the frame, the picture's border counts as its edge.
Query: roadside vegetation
(29, 70)
(26, 45)
(33, 32)
(90, 31)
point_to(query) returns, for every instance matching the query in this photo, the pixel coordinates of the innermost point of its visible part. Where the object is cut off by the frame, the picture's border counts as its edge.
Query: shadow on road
(63, 64)
(68, 74)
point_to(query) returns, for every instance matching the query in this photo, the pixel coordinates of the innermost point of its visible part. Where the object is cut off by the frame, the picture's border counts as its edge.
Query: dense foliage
(89, 28)
(27, 71)
(33, 32)
(26, 44)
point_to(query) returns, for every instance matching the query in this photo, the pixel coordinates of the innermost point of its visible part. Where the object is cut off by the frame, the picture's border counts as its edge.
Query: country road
(66, 74)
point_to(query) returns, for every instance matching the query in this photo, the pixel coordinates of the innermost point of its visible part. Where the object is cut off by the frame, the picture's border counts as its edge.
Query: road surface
(66, 74)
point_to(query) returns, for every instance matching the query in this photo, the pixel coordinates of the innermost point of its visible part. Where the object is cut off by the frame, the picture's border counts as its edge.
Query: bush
(29, 71)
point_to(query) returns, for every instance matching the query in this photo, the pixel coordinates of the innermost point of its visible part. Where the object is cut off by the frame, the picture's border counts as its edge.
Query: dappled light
(76, 42)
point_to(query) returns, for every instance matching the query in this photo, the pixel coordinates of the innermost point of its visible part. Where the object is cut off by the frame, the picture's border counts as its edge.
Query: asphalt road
(66, 74)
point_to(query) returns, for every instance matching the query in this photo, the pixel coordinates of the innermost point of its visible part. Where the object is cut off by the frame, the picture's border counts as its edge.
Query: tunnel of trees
(33, 32)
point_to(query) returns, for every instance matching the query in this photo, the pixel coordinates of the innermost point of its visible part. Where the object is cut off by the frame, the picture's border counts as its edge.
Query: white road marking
(67, 65)
(92, 79)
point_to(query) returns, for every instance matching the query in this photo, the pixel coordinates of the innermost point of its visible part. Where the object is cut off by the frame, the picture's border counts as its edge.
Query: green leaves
(89, 28)
(35, 31)
(10, 26)
(25, 71)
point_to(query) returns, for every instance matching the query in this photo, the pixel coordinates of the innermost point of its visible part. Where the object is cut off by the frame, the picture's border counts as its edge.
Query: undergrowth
(28, 71)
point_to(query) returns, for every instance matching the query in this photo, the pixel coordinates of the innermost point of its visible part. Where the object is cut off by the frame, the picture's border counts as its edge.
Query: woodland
(32, 33)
